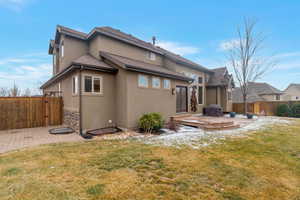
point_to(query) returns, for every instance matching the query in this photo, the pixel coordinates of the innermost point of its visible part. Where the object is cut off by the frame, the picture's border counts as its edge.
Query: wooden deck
(206, 123)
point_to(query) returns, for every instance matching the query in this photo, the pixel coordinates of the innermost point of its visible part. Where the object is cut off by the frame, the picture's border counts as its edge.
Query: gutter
(132, 68)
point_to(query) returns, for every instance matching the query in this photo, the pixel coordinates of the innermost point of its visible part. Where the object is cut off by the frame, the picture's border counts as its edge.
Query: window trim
(62, 49)
(152, 86)
(93, 90)
(75, 85)
(151, 56)
(142, 86)
(163, 86)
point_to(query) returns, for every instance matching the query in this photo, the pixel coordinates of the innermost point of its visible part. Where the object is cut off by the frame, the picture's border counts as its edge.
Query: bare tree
(27, 93)
(247, 58)
(14, 91)
(3, 92)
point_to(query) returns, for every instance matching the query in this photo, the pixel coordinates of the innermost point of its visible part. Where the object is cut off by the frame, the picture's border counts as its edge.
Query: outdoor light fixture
(173, 91)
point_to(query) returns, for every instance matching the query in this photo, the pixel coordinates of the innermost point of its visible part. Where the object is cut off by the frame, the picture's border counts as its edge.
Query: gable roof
(139, 66)
(87, 62)
(127, 38)
(220, 77)
(295, 85)
(255, 92)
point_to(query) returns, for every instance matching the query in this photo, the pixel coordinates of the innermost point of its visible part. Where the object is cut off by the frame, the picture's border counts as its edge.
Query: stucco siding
(106, 44)
(97, 110)
(73, 48)
(145, 100)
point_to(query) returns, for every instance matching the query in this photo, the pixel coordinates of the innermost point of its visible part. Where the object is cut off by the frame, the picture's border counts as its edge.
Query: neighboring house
(292, 92)
(123, 77)
(258, 92)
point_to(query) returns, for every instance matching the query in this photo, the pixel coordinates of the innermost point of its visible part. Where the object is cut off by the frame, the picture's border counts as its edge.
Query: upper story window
(143, 81)
(200, 80)
(277, 97)
(62, 49)
(74, 84)
(155, 82)
(93, 84)
(54, 60)
(167, 84)
(151, 56)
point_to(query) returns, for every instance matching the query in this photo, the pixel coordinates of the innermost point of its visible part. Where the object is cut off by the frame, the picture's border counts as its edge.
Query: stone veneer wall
(71, 118)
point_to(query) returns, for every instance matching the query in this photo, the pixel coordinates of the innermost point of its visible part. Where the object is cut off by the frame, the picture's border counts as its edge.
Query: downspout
(80, 102)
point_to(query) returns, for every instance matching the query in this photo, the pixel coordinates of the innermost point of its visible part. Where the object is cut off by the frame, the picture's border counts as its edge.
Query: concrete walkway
(29, 137)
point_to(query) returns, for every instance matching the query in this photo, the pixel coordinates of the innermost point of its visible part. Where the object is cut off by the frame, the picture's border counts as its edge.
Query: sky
(198, 30)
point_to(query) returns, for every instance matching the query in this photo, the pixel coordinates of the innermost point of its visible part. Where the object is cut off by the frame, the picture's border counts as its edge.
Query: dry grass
(265, 165)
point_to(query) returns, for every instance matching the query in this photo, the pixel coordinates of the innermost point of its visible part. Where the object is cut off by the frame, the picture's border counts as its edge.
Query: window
(167, 84)
(297, 97)
(59, 89)
(62, 51)
(151, 56)
(200, 80)
(54, 60)
(143, 81)
(74, 84)
(155, 82)
(96, 84)
(277, 97)
(93, 84)
(200, 95)
(229, 96)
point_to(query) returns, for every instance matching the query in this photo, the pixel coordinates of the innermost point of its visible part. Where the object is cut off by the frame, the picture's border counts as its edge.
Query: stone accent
(71, 119)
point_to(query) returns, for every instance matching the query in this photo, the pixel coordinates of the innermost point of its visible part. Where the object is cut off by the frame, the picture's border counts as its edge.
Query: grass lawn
(265, 165)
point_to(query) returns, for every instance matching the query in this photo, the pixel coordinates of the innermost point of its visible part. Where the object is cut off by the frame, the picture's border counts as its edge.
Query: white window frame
(59, 89)
(75, 85)
(151, 56)
(167, 88)
(143, 86)
(153, 86)
(93, 90)
(62, 49)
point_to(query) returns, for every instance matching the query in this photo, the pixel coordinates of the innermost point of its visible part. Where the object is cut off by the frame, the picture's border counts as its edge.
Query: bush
(151, 122)
(283, 110)
(295, 110)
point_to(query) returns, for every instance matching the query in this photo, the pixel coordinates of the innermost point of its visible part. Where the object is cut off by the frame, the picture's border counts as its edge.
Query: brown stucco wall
(144, 100)
(97, 110)
(103, 43)
(74, 48)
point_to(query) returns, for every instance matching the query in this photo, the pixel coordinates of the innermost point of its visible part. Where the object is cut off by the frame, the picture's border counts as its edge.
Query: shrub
(295, 110)
(283, 110)
(151, 122)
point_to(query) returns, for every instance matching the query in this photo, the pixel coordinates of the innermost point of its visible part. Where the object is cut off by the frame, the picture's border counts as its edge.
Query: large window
(167, 84)
(155, 82)
(75, 84)
(277, 97)
(93, 84)
(143, 81)
(200, 94)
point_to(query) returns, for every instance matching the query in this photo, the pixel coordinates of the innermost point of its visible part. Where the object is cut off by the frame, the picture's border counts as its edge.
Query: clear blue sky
(195, 29)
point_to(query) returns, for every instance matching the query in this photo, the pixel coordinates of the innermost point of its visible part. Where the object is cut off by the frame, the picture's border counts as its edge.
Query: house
(110, 77)
(258, 92)
(292, 92)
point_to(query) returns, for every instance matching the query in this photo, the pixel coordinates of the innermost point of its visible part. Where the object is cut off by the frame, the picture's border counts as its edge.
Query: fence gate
(29, 112)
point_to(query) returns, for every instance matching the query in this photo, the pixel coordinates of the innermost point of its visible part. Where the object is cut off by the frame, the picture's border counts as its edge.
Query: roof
(295, 85)
(119, 35)
(87, 62)
(256, 90)
(220, 77)
(139, 66)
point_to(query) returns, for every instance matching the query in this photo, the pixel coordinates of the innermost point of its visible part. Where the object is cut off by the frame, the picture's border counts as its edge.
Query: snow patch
(197, 138)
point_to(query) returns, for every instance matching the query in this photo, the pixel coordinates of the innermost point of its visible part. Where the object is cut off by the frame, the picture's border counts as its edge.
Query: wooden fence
(29, 112)
(268, 108)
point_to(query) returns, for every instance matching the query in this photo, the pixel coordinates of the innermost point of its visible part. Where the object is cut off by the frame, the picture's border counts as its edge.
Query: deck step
(219, 128)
